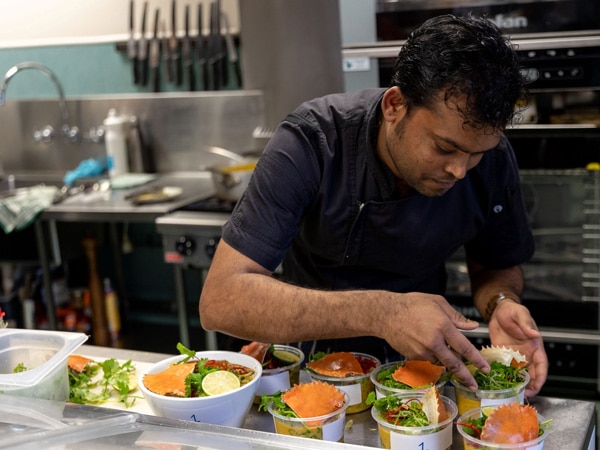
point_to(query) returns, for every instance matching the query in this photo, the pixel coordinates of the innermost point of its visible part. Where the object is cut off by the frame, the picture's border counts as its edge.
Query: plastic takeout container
(282, 378)
(473, 443)
(44, 354)
(467, 399)
(357, 387)
(328, 427)
(383, 391)
(431, 437)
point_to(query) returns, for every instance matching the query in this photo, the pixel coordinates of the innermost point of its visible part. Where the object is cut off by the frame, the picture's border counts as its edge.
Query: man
(363, 196)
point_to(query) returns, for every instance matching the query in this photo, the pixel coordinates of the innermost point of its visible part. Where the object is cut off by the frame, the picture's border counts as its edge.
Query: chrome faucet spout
(71, 132)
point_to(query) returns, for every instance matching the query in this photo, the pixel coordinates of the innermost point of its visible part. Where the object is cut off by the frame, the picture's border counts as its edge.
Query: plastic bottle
(115, 138)
(113, 316)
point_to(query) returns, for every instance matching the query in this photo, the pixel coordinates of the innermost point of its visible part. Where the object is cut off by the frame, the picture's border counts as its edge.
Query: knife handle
(191, 78)
(144, 71)
(156, 79)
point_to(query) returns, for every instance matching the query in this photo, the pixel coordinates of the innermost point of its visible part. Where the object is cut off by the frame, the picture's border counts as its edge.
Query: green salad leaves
(396, 411)
(101, 381)
(499, 377)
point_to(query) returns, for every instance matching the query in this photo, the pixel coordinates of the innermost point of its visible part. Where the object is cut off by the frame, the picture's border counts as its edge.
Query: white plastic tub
(45, 355)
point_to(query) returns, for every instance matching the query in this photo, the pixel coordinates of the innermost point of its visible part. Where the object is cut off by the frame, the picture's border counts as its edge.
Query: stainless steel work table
(112, 207)
(574, 421)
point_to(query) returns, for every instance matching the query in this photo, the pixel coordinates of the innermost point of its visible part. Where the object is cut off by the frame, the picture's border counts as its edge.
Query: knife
(215, 49)
(222, 48)
(232, 52)
(202, 49)
(166, 54)
(131, 51)
(188, 56)
(143, 50)
(174, 46)
(155, 54)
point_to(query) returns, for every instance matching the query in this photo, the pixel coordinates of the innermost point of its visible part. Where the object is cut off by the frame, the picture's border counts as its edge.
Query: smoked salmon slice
(256, 349)
(77, 363)
(313, 399)
(337, 364)
(417, 373)
(171, 381)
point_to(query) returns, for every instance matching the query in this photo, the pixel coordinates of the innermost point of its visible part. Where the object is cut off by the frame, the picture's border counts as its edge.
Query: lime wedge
(487, 410)
(220, 382)
(285, 358)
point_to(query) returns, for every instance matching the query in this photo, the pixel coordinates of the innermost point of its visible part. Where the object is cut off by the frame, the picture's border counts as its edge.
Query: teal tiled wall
(82, 70)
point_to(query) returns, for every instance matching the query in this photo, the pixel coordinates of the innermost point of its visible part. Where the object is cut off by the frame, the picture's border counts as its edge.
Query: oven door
(396, 19)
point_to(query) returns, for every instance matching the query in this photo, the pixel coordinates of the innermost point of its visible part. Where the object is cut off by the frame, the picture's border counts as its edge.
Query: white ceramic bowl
(229, 409)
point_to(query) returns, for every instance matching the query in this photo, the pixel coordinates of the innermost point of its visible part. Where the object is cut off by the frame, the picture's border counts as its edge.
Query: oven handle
(565, 335)
(390, 49)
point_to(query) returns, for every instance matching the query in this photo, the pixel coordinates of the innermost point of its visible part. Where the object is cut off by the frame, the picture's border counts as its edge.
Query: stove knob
(185, 246)
(211, 246)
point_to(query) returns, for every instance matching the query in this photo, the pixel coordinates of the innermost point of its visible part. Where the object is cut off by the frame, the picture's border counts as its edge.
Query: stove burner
(211, 204)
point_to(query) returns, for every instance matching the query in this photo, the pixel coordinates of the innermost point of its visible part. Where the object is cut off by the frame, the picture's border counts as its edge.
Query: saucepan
(231, 178)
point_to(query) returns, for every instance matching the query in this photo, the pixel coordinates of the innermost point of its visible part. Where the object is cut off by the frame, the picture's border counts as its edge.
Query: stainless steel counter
(574, 421)
(114, 206)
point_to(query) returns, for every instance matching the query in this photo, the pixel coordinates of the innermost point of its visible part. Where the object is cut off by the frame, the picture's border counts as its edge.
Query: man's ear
(393, 104)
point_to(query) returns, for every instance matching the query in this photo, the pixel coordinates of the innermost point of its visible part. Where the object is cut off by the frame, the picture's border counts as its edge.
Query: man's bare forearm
(250, 304)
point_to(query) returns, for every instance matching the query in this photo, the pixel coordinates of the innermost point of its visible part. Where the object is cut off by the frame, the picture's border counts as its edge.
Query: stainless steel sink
(10, 183)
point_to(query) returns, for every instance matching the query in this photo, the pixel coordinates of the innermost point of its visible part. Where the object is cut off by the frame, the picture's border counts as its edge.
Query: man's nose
(458, 166)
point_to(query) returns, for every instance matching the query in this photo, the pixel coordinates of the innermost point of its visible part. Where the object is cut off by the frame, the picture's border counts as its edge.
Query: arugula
(99, 381)
(499, 377)
(405, 413)
(280, 406)
(20, 368)
(190, 354)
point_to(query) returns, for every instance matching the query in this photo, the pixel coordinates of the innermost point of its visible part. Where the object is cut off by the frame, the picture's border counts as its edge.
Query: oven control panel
(190, 238)
(190, 250)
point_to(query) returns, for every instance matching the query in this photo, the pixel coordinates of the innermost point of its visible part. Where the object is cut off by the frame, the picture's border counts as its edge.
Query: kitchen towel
(19, 209)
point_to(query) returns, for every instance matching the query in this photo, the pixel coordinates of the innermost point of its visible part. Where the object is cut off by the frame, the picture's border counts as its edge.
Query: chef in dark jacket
(363, 196)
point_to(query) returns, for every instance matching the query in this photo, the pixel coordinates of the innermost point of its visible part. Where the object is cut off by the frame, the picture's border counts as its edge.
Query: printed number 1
(422, 445)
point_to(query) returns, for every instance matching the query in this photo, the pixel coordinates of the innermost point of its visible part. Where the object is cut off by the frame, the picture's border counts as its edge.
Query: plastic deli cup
(381, 390)
(328, 427)
(473, 443)
(357, 387)
(467, 399)
(430, 437)
(281, 378)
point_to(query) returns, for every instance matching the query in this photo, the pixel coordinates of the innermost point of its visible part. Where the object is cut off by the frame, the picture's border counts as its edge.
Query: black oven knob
(185, 246)
(211, 246)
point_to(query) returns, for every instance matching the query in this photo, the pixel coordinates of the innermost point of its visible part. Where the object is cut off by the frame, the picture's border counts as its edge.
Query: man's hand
(512, 325)
(425, 326)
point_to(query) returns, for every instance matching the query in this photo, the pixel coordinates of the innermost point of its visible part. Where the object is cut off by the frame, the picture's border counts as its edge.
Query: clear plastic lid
(39, 351)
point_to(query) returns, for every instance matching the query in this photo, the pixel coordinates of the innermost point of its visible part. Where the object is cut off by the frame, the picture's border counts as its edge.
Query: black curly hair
(462, 56)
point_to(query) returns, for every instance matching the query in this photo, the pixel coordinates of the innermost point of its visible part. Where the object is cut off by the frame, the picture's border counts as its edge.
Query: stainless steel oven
(558, 137)
(396, 18)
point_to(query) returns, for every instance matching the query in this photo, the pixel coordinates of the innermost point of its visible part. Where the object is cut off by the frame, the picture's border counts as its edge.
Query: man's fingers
(454, 364)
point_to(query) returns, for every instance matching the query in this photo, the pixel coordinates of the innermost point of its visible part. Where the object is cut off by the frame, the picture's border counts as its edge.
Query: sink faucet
(71, 132)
